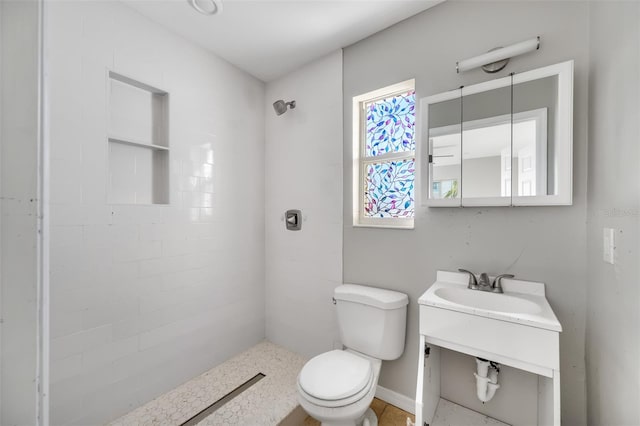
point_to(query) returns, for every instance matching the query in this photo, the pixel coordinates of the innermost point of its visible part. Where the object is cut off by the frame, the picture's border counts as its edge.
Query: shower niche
(138, 142)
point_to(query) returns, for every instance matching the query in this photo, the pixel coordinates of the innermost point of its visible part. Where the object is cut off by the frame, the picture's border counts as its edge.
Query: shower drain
(222, 401)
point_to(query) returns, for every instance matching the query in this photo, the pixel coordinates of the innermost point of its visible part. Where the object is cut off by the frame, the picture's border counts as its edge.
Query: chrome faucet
(497, 282)
(485, 281)
(484, 284)
(473, 281)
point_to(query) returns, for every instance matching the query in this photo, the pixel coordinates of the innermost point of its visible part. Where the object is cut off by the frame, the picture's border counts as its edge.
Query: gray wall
(303, 170)
(613, 340)
(545, 244)
(482, 176)
(18, 202)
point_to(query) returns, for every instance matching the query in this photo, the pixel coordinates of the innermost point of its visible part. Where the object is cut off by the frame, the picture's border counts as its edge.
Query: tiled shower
(157, 274)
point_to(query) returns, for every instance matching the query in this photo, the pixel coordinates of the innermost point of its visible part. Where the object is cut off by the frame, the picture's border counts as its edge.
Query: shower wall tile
(63, 236)
(144, 297)
(137, 251)
(67, 367)
(304, 171)
(65, 323)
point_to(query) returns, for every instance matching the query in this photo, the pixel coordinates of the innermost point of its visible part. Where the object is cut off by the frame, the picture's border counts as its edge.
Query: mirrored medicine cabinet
(504, 142)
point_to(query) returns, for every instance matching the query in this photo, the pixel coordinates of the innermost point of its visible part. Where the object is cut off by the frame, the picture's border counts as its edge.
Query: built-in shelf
(138, 142)
(116, 139)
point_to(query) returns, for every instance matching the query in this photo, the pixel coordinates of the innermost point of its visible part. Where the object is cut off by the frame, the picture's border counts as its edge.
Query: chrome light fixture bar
(207, 7)
(496, 59)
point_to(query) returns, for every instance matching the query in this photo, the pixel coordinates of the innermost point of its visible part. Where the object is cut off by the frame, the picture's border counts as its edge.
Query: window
(384, 149)
(445, 188)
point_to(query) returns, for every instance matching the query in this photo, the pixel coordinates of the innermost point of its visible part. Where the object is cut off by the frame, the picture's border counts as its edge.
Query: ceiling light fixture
(207, 7)
(496, 59)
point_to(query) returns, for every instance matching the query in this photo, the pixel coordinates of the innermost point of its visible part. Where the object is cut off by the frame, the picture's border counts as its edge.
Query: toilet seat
(336, 378)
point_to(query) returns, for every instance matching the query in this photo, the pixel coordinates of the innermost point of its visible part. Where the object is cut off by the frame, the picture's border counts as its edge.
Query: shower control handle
(293, 220)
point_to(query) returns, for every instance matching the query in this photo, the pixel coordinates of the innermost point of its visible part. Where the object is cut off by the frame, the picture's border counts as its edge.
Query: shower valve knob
(293, 220)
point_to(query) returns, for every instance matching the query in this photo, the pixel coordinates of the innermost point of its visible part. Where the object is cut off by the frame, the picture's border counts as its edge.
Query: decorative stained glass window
(389, 189)
(387, 144)
(390, 124)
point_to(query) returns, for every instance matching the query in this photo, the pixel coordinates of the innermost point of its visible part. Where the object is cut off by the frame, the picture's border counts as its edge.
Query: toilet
(337, 387)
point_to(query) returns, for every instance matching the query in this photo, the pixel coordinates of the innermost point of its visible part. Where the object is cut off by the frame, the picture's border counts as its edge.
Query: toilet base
(368, 419)
(370, 416)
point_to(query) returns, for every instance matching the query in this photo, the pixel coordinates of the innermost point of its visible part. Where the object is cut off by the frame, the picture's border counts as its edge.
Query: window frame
(360, 160)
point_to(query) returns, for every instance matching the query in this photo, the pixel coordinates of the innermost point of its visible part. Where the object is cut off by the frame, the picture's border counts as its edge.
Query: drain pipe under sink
(486, 379)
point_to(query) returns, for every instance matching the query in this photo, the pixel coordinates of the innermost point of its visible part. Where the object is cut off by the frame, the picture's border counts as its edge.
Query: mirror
(502, 142)
(534, 110)
(445, 145)
(486, 151)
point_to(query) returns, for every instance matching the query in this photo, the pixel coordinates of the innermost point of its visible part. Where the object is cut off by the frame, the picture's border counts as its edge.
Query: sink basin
(522, 302)
(488, 301)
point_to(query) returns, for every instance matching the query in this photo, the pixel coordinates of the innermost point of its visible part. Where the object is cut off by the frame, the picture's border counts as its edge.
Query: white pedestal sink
(517, 328)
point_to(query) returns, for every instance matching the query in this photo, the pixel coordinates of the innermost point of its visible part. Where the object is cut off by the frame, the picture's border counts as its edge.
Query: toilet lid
(335, 375)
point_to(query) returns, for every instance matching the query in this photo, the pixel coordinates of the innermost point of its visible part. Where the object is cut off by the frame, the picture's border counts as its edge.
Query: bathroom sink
(522, 302)
(516, 328)
(487, 301)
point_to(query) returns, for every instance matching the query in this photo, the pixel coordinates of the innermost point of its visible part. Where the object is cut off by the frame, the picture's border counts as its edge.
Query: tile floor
(271, 401)
(388, 415)
(450, 414)
(265, 403)
(447, 414)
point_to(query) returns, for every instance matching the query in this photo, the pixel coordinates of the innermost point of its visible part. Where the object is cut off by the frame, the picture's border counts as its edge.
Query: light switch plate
(609, 245)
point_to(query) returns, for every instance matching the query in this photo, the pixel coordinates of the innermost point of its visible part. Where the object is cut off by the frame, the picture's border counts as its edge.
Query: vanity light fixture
(207, 7)
(498, 58)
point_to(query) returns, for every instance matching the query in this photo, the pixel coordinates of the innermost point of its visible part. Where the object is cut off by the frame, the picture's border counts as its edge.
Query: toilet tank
(372, 320)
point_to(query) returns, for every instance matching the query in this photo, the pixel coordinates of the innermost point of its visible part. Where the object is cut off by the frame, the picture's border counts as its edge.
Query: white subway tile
(97, 337)
(137, 214)
(134, 286)
(77, 214)
(188, 183)
(110, 235)
(174, 329)
(66, 367)
(67, 187)
(66, 236)
(178, 247)
(65, 346)
(137, 250)
(65, 323)
(110, 312)
(98, 357)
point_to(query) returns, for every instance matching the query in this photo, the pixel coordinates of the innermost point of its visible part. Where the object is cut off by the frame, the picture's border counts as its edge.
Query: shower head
(280, 106)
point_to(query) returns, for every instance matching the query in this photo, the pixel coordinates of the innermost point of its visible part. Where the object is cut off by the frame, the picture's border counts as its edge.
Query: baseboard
(394, 398)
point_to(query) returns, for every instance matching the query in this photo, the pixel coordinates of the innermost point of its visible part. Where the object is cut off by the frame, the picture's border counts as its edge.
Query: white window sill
(407, 227)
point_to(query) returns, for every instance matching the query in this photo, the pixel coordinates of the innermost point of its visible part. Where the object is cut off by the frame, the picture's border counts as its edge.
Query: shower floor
(270, 401)
(267, 402)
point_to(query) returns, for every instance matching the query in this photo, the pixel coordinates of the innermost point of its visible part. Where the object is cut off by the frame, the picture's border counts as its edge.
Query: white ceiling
(269, 38)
